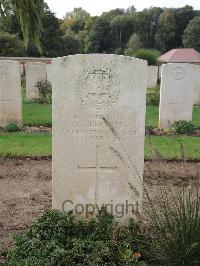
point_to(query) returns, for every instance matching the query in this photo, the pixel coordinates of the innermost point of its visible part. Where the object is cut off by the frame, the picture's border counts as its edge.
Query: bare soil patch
(25, 189)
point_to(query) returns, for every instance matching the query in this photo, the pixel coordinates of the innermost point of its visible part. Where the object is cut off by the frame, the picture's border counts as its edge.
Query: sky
(96, 7)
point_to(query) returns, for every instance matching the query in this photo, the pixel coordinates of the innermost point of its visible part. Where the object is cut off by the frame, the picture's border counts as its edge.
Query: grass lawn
(29, 144)
(25, 144)
(37, 114)
(170, 147)
(152, 115)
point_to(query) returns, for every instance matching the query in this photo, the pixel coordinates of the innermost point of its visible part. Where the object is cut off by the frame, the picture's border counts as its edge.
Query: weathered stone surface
(159, 71)
(176, 94)
(10, 93)
(34, 73)
(152, 76)
(196, 91)
(49, 74)
(98, 133)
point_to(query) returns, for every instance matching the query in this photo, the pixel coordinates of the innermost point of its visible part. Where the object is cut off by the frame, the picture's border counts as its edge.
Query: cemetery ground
(25, 165)
(26, 190)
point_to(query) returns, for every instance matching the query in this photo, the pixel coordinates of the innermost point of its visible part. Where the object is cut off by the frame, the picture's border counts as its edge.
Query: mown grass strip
(171, 148)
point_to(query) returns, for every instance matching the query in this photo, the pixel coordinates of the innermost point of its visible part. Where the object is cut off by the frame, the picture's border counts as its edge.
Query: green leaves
(192, 33)
(29, 15)
(184, 127)
(61, 239)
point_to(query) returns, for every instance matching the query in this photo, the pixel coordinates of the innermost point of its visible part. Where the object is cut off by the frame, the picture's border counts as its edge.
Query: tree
(29, 16)
(133, 45)
(51, 35)
(98, 39)
(70, 44)
(75, 20)
(191, 36)
(182, 17)
(113, 13)
(50, 39)
(146, 25)
(78, 13)
(11, 45)
(130, 10)
(121, 28)
(166, 32)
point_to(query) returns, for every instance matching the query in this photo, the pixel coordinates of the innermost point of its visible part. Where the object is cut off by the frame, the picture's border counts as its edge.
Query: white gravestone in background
(10, 93)
(98, 133)
(34, 73)
(49, 75)
(176, 94)
(152, 76)
(196, 91)
(159, 71)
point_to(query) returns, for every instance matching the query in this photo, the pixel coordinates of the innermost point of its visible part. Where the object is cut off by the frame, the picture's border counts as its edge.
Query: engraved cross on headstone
(98, 168)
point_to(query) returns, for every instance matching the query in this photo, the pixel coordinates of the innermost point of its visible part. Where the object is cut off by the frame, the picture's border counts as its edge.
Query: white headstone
(159, 71)
(49, 74)
(10, 93)
(176, 94)
(34, 72)
(98, 133)
(152, 76)
(196, 91)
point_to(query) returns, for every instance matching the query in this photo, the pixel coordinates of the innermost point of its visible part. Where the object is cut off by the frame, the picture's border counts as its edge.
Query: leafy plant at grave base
(176, 228)
(149, 130)
(131, 258)
(184, 127)
(11, 127)
(61, 239)
(45, 91)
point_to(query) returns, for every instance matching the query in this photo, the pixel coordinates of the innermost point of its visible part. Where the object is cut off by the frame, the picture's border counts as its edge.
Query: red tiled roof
(181, 55)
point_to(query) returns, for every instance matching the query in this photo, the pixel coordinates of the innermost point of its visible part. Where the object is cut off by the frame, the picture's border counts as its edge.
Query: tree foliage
(191, 36)
(120, 31)
(11, 45)
(166, 32)
(29, 16)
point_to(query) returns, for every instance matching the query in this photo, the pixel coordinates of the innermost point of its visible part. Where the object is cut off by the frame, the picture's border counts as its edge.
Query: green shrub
(149, 130)
(11, 127)
(45, 91)
(184, 127)
(176, 228)
(149, 55)
(60, 239)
